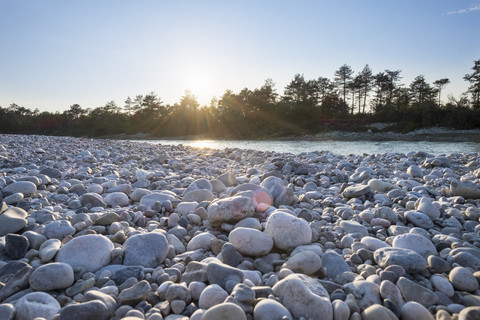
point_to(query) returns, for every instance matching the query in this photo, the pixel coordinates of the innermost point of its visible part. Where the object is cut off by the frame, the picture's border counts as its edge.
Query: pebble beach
(108, 229)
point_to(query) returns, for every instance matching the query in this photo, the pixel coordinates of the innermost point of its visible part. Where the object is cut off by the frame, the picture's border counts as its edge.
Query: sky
(56, 53)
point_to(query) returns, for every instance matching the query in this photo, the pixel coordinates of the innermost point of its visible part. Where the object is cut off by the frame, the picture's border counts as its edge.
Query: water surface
(334, 146)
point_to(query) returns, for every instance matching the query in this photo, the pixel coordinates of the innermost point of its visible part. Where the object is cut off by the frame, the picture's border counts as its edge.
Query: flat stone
(287, 230)
(94, 309)
(16, 283)
(58, 229)
(412, 291)
(416, 243)
(198, 195)
(373, 243)
(52, 276)
(135, 294)
(49, 249)
(220, 274)
(87, 253)
(150, 199)
(442, 284)
(426, 206)
(36, 305)
(466, 190)
(27, 188)
(12, 220)
(354, 227)
(304, 297)
(147, 250)
(356, 191)
(410, 260)
(94, 199)
(251, 242)
(419, 219)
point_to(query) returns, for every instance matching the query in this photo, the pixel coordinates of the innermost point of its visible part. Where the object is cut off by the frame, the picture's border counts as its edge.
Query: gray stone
(415, 242)
(411, 261)
(419, 219)
(413, 311)
(354, 227)
(58, 229)
(426, 206)
(230, 210)
(304, 297)
(94, 309)
(470, 313)
(306, 262)
(12, 220)
(106, 299)
(463, 279)
(36, 305)
(334, 264)
(150, 199)
(464, 189)
(117, 199)
(16, 283)
(51, 172)
(86, 253)
(200, 241)
(356, 191)
(269, 309)
(225, 311)
(212, 295)
(135, 294)
(16, 246)
(148, 249)
(93, 199)
(27, 188)
(228, 179)
(251, 242)
(49, 249)
(412, 291)
(52, 276)
(366, 293)
(388, 290)
(287, 230)
(378, 312)
(199, 195)
(220, 274)
(7, 311)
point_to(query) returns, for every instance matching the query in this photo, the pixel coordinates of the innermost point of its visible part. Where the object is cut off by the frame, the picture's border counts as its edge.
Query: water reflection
(336, 147)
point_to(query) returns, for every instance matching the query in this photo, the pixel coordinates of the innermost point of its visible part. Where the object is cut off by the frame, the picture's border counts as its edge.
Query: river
(336, 147)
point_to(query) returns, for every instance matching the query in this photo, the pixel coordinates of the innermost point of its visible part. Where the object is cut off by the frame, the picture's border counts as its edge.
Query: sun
(200, 84)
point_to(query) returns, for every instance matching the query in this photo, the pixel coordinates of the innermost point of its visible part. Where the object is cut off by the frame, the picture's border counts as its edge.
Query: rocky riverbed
(100, 229)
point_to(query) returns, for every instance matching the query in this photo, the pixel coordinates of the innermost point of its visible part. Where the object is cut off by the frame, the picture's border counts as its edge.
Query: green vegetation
(347, 102)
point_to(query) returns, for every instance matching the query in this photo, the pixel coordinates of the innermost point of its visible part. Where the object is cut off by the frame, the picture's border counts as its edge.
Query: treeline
(346, 102)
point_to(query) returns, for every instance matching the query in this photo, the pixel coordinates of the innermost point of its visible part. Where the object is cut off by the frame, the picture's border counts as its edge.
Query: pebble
(413, 310)
(462, 279)
(287, 230)
(87, 253)
(250, 242)
(304, 297)
(12, 220)
(36, 305)
(94, 309)
(268, 309)
(147, 250)
(119, 229)
(52, 276)
(410, 260)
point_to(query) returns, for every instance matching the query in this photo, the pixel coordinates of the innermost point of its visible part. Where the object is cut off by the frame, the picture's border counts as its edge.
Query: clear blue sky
(54, 53)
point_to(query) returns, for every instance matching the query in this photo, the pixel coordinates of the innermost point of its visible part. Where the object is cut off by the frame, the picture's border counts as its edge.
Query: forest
(347, 102)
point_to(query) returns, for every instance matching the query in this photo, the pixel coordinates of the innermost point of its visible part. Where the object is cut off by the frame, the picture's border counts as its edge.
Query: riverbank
(114, 229)
(431, 134)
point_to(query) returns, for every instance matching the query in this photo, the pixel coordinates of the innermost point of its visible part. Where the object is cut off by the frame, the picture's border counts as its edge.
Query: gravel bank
(102, 229)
